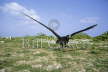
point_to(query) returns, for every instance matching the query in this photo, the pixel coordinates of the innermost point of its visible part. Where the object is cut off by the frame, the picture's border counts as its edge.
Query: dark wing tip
(92, 26)
(95, 25)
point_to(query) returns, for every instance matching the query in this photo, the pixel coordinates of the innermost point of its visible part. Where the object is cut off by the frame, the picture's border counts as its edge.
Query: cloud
(16, 9)
(90, 20)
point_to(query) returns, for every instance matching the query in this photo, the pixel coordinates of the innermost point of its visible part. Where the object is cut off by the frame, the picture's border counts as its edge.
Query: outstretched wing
(43, 25)
(84, 29)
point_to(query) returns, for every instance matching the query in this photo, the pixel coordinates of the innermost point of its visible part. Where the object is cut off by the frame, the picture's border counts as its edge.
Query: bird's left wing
(83, 30)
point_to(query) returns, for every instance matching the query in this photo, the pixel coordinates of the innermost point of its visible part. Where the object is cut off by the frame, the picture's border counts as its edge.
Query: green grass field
(86, 56)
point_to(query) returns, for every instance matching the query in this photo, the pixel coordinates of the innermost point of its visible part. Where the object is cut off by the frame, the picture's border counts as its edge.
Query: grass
(79, 57)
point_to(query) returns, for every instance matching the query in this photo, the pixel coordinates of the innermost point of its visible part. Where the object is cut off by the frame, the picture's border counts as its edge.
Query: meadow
(23, 54)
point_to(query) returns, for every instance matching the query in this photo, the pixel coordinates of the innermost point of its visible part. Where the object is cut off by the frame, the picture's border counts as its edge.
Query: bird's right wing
(84, 29)
(43, 25)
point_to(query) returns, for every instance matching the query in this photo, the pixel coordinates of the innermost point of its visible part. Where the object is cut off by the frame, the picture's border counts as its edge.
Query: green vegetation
(83, 55)
(81, 36)
(103, 37)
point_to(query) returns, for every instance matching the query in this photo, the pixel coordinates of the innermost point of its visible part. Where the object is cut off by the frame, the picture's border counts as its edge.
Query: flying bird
(62, 40)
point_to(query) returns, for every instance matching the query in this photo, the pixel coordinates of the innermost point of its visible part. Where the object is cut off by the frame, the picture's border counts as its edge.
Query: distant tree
(41, 34)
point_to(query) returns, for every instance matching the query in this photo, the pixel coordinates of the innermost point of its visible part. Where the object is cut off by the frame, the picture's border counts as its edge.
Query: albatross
(61, 40)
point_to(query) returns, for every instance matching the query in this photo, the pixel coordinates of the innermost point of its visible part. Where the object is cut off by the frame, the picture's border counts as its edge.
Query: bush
(103, 37)
(81, 36)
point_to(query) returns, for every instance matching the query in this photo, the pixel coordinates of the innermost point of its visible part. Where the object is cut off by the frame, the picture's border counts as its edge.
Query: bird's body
(63, 41)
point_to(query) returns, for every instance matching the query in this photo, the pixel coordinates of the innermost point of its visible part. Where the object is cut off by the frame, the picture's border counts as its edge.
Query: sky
(64, 16)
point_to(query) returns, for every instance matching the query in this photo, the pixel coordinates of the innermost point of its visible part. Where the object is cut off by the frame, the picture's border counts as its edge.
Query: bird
(61, 40)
